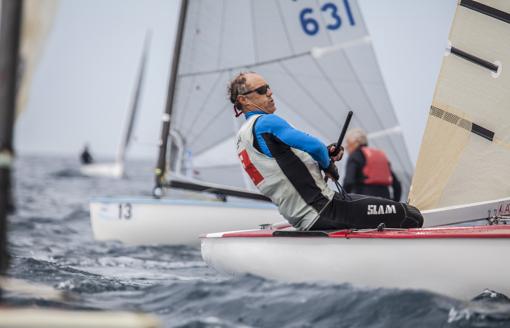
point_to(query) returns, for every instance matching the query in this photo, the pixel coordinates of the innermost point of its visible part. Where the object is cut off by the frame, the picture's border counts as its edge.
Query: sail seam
(462, 123)
(254, 35)
(312, 52)
(376, 114)
(474, 59)
(335, 90)
(201, 111)
(486, 10)
(306, 92)
(222, 27)
(210, 123)
(287, 34)
(261, 63)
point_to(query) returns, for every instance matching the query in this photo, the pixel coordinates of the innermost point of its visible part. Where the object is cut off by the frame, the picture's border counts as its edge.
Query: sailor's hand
(331, 151)
(332, 172)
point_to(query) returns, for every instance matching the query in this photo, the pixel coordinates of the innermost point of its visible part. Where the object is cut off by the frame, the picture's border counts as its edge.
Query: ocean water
(51, 242)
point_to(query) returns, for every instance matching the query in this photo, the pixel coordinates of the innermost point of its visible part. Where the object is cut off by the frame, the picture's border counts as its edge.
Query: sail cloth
(37, 20)
(317, 58)
(465, 151)
(135, 102)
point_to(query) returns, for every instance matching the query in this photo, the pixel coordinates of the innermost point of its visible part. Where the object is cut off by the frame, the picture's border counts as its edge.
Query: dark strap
(279, 233)
(255, 141)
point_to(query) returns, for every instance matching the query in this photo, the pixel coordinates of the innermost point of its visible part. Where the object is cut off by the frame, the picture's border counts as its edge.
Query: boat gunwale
(259, 205)
(477, 232)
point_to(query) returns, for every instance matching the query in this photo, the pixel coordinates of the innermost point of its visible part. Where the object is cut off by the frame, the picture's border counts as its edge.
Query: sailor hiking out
(85, 156)
(286, 165)
(368, 169)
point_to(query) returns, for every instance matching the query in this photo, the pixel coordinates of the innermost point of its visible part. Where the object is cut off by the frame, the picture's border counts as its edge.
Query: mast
(121, 154)
(161, 164)
(10, 22)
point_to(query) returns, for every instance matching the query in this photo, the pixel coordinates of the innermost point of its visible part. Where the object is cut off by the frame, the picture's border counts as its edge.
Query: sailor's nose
(269, 93)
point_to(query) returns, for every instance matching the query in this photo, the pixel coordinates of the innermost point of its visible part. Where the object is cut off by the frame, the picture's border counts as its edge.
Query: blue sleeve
(294, 138)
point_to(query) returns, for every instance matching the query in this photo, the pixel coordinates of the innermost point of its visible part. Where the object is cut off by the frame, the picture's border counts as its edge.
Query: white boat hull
(467, 212)
(149, 221)
(458, 267)
(108, 170)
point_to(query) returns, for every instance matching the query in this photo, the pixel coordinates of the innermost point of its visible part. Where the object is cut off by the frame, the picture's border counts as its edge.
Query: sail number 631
(311, 26)
(125, 211)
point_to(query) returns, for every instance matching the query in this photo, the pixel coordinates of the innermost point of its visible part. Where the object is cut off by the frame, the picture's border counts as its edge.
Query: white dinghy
(174, 221)
(461, 177)
(116, 169)
(459, 262)
(320, 66)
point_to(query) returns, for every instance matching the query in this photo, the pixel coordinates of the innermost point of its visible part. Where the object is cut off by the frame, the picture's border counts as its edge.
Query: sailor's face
(350, 145)
(262, 101)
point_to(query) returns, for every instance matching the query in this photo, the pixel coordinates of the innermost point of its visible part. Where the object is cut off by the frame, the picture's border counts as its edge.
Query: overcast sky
(83, 85)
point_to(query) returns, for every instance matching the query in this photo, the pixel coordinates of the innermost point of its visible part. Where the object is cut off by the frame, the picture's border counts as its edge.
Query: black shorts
(365, 212)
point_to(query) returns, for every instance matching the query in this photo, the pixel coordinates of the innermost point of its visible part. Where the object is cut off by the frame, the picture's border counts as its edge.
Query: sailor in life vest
(368, 171)
(286, 165)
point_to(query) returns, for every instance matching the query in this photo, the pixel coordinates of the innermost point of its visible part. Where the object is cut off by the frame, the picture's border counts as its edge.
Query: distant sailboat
(116, 169)
(320, 63)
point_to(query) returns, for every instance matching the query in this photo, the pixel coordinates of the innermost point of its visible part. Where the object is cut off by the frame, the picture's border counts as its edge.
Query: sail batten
(486, 10)
(474, 59)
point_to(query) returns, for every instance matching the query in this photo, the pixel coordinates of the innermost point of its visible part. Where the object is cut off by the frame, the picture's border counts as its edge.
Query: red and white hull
(456, 261)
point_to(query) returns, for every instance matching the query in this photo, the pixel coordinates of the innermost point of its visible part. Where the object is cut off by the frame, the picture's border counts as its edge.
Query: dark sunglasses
(260, 90)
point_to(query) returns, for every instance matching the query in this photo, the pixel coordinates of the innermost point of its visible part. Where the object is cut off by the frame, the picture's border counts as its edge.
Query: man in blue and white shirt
(286, 165)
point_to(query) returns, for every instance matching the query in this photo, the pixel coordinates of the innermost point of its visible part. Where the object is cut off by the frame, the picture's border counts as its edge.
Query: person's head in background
(355, 138)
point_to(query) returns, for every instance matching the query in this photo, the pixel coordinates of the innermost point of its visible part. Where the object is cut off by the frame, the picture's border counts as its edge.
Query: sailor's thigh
(368, 212)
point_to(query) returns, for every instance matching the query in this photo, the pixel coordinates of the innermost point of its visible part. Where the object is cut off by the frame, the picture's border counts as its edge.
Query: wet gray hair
(357, 135)
(237, 87)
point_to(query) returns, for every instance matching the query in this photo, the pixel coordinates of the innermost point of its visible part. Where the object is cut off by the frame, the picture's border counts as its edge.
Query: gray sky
(83, 85)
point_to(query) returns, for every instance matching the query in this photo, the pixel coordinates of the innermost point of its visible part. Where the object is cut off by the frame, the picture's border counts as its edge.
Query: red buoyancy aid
(377, 168)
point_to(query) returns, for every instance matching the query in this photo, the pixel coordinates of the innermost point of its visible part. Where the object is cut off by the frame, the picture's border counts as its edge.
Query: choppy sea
(51, 242)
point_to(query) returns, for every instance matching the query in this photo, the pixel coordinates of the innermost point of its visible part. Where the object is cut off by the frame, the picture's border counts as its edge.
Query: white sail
(132, 112)
(38, 17)
(316, 55)
(465, 150)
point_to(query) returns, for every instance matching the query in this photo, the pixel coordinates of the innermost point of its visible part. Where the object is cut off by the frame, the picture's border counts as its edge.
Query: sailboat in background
(320, 63)
(463, 163)
(116, 169)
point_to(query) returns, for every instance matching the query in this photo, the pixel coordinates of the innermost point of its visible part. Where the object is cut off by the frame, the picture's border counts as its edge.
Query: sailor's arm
(299, 140)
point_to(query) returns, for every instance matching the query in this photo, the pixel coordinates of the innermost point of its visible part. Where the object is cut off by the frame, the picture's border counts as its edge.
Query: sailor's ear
(241, 99)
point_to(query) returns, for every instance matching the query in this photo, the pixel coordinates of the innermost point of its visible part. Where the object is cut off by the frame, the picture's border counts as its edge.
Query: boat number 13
(310, 24)
(125, 211)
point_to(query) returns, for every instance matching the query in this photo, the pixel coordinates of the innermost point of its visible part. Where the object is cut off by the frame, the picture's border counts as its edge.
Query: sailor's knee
(413, 219)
